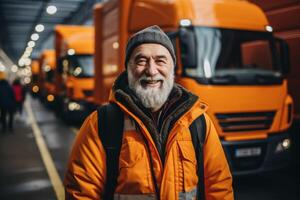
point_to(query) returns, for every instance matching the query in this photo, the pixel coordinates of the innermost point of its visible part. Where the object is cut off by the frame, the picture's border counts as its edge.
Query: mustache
(157, 77)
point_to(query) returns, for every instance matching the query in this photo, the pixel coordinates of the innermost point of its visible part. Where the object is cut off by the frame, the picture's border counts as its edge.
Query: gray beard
(153, 98)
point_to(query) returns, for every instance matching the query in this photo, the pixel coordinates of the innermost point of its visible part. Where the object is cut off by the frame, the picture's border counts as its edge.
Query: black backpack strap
(198, 133)
(110, 130)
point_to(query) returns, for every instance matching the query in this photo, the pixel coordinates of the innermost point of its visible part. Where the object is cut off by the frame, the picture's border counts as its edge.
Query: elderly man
(157, 158)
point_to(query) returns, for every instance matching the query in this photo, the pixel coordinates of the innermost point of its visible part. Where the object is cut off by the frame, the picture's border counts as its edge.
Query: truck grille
(248, 121)
(88, 93)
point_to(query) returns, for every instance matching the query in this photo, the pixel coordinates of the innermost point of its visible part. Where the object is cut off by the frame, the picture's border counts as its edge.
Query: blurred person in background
(20, 94)
(7, 103)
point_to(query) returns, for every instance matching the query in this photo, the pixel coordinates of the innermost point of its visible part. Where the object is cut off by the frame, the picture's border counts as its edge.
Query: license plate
(247, 152)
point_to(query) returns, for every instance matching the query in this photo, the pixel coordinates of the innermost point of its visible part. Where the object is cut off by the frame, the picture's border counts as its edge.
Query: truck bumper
(256, 156)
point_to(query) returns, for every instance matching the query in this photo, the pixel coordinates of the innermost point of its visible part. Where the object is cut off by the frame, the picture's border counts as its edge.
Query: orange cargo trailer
(74, 47)
(227, 54)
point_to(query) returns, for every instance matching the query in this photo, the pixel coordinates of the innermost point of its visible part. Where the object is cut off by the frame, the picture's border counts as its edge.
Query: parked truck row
(227, 54)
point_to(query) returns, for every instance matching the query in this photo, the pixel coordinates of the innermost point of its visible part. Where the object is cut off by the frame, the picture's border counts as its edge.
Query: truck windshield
(228, 56)
(81, 66)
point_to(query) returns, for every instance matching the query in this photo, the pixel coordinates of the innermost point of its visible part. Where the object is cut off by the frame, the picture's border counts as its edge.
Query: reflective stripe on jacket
(176, 178)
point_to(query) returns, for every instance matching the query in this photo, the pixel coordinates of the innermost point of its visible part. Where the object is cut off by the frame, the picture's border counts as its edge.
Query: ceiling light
(39, 28)
(29, 49)
(26, 54)
(35, 37)
(27, 71)
(27, 61)
(21, 62)
(31, 43)
(14, 68)
(27, 80)
(51, 10)
(2, 67)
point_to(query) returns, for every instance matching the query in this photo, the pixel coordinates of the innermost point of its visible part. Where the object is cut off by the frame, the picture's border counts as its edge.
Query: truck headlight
(283, 145)
(35, 89)
(74, 106)
(50, 98)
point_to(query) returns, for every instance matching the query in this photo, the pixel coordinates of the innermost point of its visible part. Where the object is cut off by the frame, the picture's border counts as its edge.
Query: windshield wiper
(267, 79)
(223, 79)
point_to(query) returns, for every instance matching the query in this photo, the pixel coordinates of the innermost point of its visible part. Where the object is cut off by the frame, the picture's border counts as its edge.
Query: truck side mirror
(284, 55)
(188, 48)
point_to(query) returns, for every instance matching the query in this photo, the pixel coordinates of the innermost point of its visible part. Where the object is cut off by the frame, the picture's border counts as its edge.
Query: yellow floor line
(47, 159)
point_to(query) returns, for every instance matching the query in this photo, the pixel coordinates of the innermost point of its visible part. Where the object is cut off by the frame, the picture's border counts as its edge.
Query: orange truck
(227, 54)
(34, 88)
(284, 18)
(74, 48)
(47, 70)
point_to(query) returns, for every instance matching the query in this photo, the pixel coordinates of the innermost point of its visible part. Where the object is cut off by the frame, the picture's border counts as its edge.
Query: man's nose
(151, 68)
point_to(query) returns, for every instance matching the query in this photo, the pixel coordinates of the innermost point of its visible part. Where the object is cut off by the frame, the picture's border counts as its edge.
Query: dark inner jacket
(159, 124)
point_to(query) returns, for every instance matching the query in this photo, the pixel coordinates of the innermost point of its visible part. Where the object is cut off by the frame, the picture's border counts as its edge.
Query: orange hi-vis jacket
(176, 177)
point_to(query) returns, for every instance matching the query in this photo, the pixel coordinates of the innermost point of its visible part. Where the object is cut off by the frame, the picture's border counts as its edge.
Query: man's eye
(160, 61)
(141, 62)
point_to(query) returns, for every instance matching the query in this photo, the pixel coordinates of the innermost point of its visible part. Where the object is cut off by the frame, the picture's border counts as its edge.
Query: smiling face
(151, 74)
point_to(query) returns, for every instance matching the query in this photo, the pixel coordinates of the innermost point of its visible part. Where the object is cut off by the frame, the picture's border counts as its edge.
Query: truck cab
(239, 73)
(74, 46)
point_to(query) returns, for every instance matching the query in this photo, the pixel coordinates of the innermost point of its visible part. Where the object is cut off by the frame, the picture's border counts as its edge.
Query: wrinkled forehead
(151, 50)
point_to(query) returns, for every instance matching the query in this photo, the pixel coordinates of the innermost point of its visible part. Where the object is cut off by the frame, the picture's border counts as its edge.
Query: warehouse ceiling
(20, 19)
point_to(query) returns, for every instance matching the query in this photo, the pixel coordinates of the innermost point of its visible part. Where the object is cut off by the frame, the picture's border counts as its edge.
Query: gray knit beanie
(152, 34)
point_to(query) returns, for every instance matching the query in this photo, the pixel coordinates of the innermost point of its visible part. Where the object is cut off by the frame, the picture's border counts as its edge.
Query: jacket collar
(180, 102)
